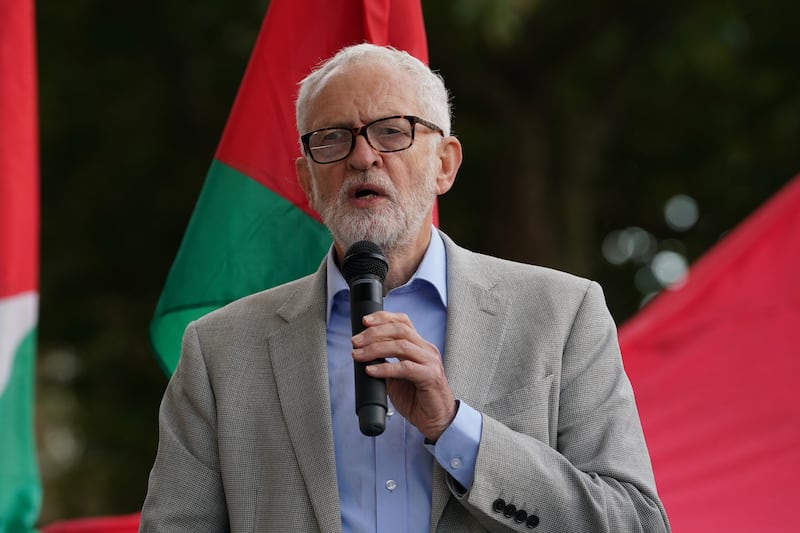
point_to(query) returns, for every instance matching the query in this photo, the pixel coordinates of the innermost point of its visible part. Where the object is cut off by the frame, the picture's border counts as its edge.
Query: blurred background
(616, 140)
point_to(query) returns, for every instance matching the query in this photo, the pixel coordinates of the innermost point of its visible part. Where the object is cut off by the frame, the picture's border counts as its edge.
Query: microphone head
(364, 258)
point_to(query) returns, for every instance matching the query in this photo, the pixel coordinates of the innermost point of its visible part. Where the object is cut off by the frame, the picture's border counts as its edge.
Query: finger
(387, 331)
(389, 369)
(424, 377)
(421, 352)
(385, 317)
(399, 348)
(408, 371)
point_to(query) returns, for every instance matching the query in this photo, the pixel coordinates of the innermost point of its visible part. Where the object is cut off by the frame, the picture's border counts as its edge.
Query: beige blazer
(246, 439)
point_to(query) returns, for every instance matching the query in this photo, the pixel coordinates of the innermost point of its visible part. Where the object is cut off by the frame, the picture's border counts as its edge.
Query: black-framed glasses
(390, 134)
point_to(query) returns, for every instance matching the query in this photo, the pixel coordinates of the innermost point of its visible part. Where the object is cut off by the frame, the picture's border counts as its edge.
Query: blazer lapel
(301, 372)
(476, 322)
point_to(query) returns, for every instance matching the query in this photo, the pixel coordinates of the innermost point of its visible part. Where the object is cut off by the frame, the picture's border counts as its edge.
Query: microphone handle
(366, 296)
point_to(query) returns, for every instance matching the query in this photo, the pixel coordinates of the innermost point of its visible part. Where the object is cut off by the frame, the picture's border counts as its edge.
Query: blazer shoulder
(270, 304)
(532, 289)
(507, 275)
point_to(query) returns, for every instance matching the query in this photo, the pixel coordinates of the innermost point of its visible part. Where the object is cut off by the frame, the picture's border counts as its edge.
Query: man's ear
(450, 157)
(303, 176)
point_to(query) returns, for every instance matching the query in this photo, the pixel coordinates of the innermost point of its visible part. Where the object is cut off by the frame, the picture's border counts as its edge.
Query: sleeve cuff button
(498, 505)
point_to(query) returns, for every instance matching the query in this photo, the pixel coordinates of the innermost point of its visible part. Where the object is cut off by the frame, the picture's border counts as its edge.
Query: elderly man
(508, 406)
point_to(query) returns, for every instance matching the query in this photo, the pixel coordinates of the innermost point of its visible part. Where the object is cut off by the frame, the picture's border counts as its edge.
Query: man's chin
(387, 240)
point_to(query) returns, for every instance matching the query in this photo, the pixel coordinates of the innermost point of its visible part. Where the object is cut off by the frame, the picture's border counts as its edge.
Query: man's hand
(416, 383)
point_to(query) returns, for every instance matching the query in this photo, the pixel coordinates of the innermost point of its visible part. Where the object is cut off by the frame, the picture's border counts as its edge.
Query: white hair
(434, 100)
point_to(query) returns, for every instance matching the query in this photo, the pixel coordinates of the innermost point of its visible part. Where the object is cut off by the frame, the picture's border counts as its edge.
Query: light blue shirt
(385, 482)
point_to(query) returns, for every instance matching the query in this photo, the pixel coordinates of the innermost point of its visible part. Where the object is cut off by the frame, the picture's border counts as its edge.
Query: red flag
(101, 524)
(19, 150)
(715, 366)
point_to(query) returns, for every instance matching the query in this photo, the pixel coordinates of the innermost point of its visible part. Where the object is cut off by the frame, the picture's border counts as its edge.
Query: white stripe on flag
(18, 315)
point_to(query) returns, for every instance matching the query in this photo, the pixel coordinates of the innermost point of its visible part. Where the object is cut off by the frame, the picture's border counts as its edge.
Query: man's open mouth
(366, 193)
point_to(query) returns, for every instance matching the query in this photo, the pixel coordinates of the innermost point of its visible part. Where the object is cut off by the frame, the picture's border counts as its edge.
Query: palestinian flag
(20, 490)
(252, 228)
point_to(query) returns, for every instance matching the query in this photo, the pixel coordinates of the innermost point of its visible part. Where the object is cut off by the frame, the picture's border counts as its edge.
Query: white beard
(392, 226)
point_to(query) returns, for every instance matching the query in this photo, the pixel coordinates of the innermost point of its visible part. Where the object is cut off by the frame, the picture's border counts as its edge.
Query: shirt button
(391, 485)
(390, 412)
(455, 462)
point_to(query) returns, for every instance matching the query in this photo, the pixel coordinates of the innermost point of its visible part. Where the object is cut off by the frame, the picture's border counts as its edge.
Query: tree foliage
(578, 120)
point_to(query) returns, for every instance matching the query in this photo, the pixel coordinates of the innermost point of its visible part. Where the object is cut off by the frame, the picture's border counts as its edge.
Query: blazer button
(521, 516)
(498, 505)
(532, 522)
(510, 510)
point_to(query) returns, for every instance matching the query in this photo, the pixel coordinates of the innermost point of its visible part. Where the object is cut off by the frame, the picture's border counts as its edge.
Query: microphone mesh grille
(364, 257)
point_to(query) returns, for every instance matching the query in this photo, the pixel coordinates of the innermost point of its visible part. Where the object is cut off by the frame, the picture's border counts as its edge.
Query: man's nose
(364, 156)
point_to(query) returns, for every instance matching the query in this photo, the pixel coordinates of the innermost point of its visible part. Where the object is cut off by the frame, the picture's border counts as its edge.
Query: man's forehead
(361, 92)
(370, 76)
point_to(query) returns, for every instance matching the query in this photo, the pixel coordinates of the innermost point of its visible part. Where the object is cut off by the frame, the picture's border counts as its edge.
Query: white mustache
(367, 178)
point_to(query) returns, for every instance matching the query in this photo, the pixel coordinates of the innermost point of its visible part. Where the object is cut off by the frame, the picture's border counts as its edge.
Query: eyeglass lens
(386, 135)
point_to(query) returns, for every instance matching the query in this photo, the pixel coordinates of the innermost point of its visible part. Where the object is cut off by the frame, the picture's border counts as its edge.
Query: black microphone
(365, 267)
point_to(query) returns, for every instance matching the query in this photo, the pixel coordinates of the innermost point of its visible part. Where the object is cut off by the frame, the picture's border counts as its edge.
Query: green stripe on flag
(241, 238)
(21, 494)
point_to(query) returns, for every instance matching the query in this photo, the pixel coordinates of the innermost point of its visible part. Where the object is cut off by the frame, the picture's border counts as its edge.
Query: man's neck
(403, 259)
(403, 262)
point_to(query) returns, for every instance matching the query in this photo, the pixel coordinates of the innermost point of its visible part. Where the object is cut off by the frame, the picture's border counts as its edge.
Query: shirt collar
(432, 268)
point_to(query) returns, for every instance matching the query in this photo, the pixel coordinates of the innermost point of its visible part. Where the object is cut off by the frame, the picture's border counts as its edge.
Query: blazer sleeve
(185, 492)
(594, 474)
